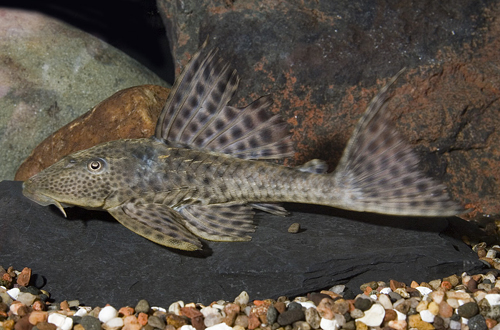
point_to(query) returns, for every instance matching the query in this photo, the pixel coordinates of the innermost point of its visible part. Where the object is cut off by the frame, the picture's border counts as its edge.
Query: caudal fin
(379, 170)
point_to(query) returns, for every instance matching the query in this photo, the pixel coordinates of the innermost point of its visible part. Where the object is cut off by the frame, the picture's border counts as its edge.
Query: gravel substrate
(456, 302)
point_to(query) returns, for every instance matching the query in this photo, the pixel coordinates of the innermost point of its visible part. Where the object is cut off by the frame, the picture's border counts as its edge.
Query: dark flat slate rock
(91, 257)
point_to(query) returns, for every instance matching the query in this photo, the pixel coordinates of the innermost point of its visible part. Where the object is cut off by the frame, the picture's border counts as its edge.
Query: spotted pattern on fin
(196, 114)
(219, 222)
(379, 171)
(158, 223)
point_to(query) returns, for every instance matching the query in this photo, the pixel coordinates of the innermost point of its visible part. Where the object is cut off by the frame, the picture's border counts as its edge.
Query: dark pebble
(44, 297)
(291, 315)
(76, 319)
(294, 305)
(455, 317)
(45, 326)
(3, 306)
(477, 323)
(23, 324)
(468, 310)
(438, 323)
(316, 297)
(142, 306)
(156, 322)
(394, 296)
(38, 281)
(363, 304)
(90, 323)
(272, 315)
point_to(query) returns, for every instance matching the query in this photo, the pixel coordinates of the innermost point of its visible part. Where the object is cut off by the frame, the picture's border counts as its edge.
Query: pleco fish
(203, 172)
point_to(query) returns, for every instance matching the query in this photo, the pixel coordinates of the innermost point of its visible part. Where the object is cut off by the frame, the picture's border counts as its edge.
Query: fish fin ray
(196, 114)
(379, 171)
(272, 208)
(228, 222)
(316, 166)
(158, 223)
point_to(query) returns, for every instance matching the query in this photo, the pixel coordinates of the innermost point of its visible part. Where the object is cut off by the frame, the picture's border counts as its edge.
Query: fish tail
(379, 171)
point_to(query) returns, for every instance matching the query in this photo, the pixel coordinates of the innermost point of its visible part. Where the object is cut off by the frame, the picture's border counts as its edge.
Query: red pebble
(142, 318)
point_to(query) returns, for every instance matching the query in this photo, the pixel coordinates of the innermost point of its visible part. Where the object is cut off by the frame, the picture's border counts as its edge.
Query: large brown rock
(324, 60)
(129, 113)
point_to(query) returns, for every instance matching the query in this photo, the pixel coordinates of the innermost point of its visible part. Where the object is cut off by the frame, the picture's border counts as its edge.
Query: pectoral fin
(220, 222)
(158, 223)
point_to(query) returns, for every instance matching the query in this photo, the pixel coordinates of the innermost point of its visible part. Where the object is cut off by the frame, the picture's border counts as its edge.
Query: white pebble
(401, 316)
(455, 325)
(427, 316)
(496, 327)
(159, 309)
(116, 322)
(386, 290)
(374, 316)
(81, 312)
(176, 307)
(61, 321)
(327, 324)
(107, 313)
(187, 327)
(220, 326)
(423, 290)
(242, 298)
(206, 311)
(13, 293)
(338, 289)
(493, 299)
(307, 304)
(385, 301)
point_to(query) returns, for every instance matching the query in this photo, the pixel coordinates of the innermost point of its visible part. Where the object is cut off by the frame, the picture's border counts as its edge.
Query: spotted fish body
(203, 172)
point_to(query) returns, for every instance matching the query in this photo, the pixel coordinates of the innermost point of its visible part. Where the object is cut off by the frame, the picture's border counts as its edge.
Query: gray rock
(50, 74)
(468, 310)
(290, 316)
(477, 323)
(337, 247)
(272, 315)
(90, 323)
(142, 306)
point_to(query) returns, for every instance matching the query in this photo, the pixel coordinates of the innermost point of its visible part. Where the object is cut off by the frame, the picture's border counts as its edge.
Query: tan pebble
(294, 228)
(414, 284)
(361, 326)
(301, 325)
(280, 306)
(437, 296)
(15, 307)
(333, 295)
(490, 323)
(126, 311)
(433, 308)
(253, 322)
(64, 306)
(176, 320)
(238, 327)
(37, 317)
(422, 306)
(414, 321)
(8, 325)
(230, 318)
(78, 327)
(435, 284)
(46, 326)
(168, 327)
(458, 295)
(453, 303)
(479, 295)
(385, 301)
(325, 309)
(453, 279)
(142, 318)
(390, 315)
(232, 308)
(397, 325)
(402, 292)
(340, 306)
(426, 285)
(242, 321)
(38, 306)
(131, 323)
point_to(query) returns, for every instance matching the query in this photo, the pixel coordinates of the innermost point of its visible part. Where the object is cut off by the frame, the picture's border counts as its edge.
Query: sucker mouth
(41, 199)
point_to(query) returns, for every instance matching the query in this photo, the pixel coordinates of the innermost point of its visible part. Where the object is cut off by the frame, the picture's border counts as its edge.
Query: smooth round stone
(242, 298)
(294, 228)
(394, 296)
(142, 306)
(220, 326)
(423, 290)
(107, 313)
(213, 319)
(272, 315)
(477, 323)
(357, 313)
(116, 322)
(374, 316)
(156, 322)
(301, 325)
(385, 301)
(363, 304)
(294, 305)
(427, 316)
(176, 307)
(61, 321)
(26, 298)
(493, 299)
(90, 323)
(327, 324)
(468, 310)
(291, 315)
(313, 318)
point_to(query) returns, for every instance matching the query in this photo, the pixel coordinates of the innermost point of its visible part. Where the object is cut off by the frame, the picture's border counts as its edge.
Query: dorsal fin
(196, 114)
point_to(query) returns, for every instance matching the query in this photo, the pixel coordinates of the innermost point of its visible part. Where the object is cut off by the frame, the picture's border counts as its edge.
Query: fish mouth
(41, 199)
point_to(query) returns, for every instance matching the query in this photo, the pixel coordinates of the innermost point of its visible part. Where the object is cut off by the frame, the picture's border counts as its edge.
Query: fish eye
(96, 165)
